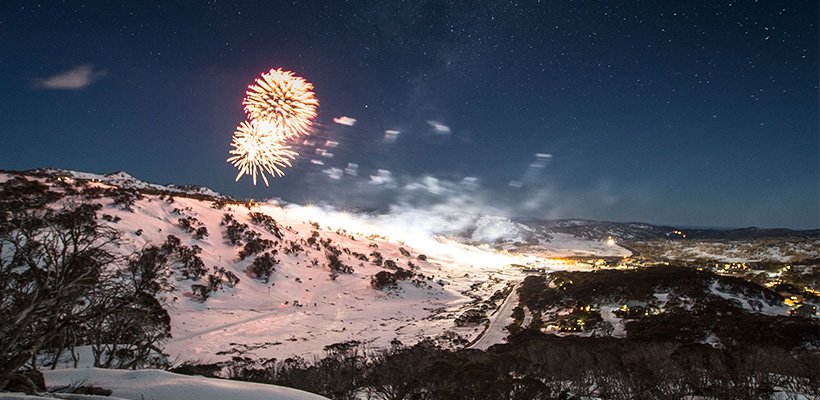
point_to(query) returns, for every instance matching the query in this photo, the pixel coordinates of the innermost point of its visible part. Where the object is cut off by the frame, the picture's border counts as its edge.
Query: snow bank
(162, 385)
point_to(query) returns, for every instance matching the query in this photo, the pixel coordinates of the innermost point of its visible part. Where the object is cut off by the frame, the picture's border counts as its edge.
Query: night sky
(694, 113)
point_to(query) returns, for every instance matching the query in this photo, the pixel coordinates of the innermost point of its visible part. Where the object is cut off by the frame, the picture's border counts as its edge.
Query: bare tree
(63, 284)
(50, 260)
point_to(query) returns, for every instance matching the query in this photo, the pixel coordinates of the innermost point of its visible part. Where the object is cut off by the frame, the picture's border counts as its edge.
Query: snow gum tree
(50, 260)
(63, 284)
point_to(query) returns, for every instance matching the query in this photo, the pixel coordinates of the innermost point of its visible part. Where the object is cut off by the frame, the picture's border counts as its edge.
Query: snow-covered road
(496, 332)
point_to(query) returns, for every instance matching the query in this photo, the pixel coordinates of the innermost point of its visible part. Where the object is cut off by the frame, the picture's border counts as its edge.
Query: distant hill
(601, 230)
(123, 179)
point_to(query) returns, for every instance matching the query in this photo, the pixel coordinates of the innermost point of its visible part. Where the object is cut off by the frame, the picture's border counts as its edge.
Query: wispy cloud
(333, 173)
(533, 171)
(391, 135)
(76, 78)
(470, 197)
(345, 121)
(383, 177)
(439, 127)
(352, 169)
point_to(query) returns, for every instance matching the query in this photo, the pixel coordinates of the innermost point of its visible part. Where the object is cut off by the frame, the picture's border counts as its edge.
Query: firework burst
(283, 100)
(258, 148)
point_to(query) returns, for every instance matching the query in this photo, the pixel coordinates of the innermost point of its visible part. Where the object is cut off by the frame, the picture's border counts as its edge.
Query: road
(495, 332)
(635, 253)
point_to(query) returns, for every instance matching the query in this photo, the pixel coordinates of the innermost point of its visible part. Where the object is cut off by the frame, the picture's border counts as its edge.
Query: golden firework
(282, 100)
(258, 148)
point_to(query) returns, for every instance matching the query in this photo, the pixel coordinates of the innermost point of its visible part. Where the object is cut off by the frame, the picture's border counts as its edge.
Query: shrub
(193, 226)
(125, 198)
(471, 317)
(266, 222)
(109, 218)
(377, 258)
(313, 240)
(336, 265)
(383, 279)
(263, 266)
(254, 245)
(200, 292)
(186, 259)
(234, 231)
(293, 248)
(388, 280)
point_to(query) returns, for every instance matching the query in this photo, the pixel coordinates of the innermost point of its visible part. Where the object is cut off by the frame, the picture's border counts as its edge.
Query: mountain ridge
(586, 228)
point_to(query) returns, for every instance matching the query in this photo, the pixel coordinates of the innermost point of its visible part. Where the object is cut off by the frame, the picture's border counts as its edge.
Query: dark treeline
(537, 366)
(692, 313)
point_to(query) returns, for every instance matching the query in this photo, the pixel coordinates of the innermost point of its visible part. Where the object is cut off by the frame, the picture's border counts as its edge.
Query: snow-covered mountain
(637, 231)
(325, 287)
(599, 230)
(123, 179)
(581, 237)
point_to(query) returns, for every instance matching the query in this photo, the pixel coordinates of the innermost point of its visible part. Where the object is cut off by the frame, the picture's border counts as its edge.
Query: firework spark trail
(280, 107)
(259, 149)
(284, 100)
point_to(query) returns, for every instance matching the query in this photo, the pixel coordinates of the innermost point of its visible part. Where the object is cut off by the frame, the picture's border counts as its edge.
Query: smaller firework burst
(283, 100)
(259, 148)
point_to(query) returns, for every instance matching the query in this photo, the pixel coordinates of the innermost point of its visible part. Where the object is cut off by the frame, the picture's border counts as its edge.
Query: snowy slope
(303, 309)
(263, 316)
(159, 385)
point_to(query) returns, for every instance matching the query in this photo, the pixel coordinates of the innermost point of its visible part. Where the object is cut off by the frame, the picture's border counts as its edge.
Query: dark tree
(50, 260)
(63, 285)
(263, 266)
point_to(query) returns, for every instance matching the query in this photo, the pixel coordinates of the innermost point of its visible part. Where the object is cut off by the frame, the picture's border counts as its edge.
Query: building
(803, 310)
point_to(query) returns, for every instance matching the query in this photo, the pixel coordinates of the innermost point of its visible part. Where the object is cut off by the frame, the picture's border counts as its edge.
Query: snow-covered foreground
(161, 385)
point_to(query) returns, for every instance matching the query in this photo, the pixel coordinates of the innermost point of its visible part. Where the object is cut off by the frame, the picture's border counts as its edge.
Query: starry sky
(692, 113)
